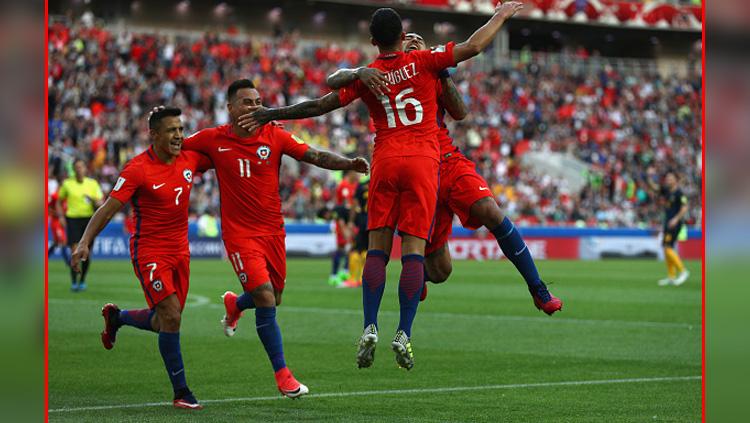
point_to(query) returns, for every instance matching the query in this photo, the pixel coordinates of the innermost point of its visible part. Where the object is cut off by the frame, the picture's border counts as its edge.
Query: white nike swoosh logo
(178, 372)
(158, 186)
(522, 250)
(483, 189)
(221, 150)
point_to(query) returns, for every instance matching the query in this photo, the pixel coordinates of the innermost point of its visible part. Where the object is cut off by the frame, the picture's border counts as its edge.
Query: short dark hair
(385, 26)
(236, 86)
(157, 116)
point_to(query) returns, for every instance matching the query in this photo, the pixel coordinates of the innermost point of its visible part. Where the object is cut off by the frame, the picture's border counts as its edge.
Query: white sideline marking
(200, 300)
(399, 391)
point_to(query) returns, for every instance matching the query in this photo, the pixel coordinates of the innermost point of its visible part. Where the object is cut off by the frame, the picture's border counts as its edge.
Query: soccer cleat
(333, 280)
(423, 295)
(232, 313)
(187, 402)
(402, 347)
(350, 283)
(665, 281)
(82, 286)
(74, 287)
(111, 314)
(342, 275)
(545, 301)
(366, 346)
(681, 278)
(288, 385)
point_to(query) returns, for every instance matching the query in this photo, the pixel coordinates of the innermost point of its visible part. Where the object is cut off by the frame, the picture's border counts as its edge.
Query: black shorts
(671, 234)
(75, 228)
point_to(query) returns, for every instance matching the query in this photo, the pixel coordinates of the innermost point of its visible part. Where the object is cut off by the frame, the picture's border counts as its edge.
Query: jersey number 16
(401, 103)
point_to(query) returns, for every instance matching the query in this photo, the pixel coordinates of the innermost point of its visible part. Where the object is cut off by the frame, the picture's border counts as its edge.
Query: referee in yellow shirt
(83, 196)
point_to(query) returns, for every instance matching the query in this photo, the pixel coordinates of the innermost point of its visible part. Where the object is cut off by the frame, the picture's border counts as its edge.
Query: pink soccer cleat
(232, 313)
(288, 385)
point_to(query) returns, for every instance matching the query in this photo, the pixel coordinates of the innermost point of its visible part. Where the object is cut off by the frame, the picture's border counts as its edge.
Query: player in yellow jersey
(83, 196)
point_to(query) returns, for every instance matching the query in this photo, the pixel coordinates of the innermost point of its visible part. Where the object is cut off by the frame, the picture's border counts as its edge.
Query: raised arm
(451, 99)
(98, 221)
(483, 36)
(374, 79)
(305, 109)
(333, 161)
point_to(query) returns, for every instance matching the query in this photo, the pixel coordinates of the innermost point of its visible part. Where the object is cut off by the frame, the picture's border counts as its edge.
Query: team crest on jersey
(157, 285)
(188, 174)
(243, 277)
(264, 152)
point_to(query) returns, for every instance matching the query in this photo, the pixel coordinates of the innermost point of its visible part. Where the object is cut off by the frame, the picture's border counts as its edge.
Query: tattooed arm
(373, 79)
(451, 99)
(333, 161)
(305, 109)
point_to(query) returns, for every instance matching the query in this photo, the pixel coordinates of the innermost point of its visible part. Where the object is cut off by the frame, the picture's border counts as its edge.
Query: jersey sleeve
(438, 58)
(291, 145)
(350, 92)
(199, 141)
(130, 179)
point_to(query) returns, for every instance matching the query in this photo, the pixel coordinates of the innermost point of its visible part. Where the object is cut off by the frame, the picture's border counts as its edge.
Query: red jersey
(404, 117)
(160, 194)
(248, 173)
(345, 193)
(444, 138)
(52, 206)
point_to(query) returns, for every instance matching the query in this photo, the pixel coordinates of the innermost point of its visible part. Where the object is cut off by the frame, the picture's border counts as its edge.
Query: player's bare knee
(169, 319)
(263, 296)
(440, 272)
(487, 212)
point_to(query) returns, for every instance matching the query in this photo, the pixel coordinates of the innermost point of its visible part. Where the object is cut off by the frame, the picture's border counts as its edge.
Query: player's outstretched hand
(80, 254)
(374, 80)
(254, 120)
(360, 164)
(508, 8)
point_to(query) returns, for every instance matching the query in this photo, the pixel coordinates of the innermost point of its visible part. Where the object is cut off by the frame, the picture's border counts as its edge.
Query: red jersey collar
(154, 157)
(391, 55)
(252, 138)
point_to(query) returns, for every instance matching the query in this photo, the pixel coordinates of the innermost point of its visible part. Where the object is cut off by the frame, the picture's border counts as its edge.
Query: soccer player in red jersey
(465, 193)
(56, 226)
(158, 183)
(343, 230)
(247, 167)
(406, 159)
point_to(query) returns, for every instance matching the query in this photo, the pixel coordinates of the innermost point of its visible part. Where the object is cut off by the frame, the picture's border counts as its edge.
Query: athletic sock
(140, 319)
(270, 335)
(409, 289)
(373, 285)
(169, 347)
(336, 262)
(85, 269)
(512, 245)
(245, 301)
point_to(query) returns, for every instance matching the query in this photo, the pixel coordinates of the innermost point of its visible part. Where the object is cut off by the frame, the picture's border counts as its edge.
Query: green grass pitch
(621, 350)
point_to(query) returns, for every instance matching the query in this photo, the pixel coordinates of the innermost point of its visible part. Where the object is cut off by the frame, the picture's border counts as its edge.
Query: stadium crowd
(626, 126)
